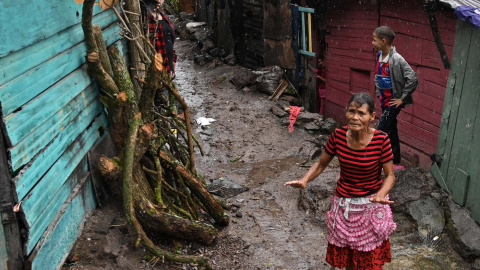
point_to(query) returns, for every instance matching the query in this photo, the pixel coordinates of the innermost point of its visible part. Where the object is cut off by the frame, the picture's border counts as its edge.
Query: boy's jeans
(388, 124)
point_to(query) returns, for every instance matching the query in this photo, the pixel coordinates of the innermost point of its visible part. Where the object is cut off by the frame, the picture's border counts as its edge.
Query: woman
(161, 33)
(360, 220)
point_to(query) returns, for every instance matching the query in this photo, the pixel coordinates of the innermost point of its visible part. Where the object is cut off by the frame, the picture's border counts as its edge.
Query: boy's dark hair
(385, 32)
(360, 98)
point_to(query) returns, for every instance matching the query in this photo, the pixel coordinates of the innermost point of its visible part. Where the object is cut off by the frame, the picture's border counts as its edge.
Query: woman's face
(359, 118)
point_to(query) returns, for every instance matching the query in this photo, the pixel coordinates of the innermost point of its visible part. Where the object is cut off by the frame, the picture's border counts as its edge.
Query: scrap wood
(279, 91)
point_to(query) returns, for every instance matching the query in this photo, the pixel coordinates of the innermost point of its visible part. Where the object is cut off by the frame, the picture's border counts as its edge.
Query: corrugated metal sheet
(455, 3)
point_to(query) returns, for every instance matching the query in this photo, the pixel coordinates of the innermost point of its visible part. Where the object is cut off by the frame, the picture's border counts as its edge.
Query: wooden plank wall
(253, 27)
(350, 59)
(52, 117)
(459, 140)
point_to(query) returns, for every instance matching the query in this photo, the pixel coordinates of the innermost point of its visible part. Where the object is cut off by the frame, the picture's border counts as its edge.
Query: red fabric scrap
(294, 112)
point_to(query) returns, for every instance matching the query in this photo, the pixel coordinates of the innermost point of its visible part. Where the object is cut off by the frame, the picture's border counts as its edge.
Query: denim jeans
(388, 124)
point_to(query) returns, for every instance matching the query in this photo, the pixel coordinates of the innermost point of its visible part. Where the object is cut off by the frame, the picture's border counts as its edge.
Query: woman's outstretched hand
(380, 199)
(296, 184)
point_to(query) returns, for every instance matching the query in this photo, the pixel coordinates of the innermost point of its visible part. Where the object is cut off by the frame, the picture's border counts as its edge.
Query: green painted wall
(459, 138)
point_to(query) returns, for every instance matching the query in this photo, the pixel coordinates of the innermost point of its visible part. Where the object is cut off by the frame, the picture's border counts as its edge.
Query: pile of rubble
(201, 33)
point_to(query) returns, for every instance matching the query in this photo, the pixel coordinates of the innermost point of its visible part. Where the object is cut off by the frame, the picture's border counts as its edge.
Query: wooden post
(8, 217)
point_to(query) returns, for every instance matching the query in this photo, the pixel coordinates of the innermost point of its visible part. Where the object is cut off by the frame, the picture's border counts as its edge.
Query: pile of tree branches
(163, 195)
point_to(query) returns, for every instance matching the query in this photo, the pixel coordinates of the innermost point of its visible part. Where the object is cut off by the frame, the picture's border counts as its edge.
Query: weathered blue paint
(32, 173)
(23, 88)
(21, 61)
(49, 213)
(57, 242)
(52, 118)
(41, 204)
(37, 198)
(23, 22)
(72, 114)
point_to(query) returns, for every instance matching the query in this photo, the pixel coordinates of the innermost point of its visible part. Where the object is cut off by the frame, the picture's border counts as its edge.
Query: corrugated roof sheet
(455, 3)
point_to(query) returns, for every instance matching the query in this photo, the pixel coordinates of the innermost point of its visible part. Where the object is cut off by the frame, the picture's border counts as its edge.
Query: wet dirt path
(268, 231)
(276, 234)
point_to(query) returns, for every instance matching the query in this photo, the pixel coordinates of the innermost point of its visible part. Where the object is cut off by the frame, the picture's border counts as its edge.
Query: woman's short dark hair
(358, 99)
(385, 32)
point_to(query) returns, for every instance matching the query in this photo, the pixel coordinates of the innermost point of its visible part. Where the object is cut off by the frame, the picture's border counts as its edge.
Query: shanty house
(51, 118)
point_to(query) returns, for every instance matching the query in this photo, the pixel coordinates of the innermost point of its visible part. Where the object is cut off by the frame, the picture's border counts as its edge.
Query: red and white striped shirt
(360, 170)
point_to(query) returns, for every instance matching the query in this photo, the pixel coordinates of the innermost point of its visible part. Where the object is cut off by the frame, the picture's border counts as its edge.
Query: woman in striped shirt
(360, 220)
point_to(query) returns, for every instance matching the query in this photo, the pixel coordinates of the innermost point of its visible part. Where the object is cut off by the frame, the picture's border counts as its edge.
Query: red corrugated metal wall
(350, 63)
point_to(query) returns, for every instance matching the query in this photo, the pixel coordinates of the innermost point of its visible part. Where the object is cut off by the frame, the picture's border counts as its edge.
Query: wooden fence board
(48, 195)
(74, 112)
(422, 31)
(335, 14)
(36, 141)
(432, 75)
(404, 13)
(424, 113)
(469, 100)
(351, 32)
(356, 45)
(356, 54)
(42, 22)
(23, 88)
(53, 206)
(422, 135)
(61, 235)
(33, 173)
(411, 48)
(433, 90)
(453, 95)
(416, 143)
(15, 64)
(427, 101)
(342, 39)
(431, 57)
(36, 111)
(473, 203)
(416, 121)
(338, 85)
(335, 111)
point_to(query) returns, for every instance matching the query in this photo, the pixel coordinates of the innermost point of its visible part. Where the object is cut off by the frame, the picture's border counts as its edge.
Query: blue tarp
(469, 14)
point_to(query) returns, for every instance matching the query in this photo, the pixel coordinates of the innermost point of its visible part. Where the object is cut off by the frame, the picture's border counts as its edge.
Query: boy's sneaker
(398, 167)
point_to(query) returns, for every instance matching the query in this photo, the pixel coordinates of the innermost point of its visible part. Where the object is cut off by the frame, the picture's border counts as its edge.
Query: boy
(395, 82)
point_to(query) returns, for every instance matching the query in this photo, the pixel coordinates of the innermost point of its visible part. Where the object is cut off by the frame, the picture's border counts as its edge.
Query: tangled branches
(162, 192)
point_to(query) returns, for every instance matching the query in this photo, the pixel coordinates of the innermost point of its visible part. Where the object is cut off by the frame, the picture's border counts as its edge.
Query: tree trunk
(162, 192)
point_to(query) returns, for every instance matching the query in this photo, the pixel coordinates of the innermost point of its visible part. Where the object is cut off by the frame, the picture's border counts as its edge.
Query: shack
(51, 118)
(340, 32)
(456, 162)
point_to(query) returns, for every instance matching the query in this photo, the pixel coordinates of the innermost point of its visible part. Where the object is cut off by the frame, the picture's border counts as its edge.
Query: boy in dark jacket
(395, 81)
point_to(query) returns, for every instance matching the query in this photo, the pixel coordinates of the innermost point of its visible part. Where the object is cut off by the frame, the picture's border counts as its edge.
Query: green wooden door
(459, 141)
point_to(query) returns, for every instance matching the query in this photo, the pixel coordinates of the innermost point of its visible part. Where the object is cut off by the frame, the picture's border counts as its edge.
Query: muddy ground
(268, 229)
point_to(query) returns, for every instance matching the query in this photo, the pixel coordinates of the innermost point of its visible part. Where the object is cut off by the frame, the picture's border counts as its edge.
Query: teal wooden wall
(459, 138)
(52, 118)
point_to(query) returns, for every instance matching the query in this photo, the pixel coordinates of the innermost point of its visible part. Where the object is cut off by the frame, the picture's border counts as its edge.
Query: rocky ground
(272, 226)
